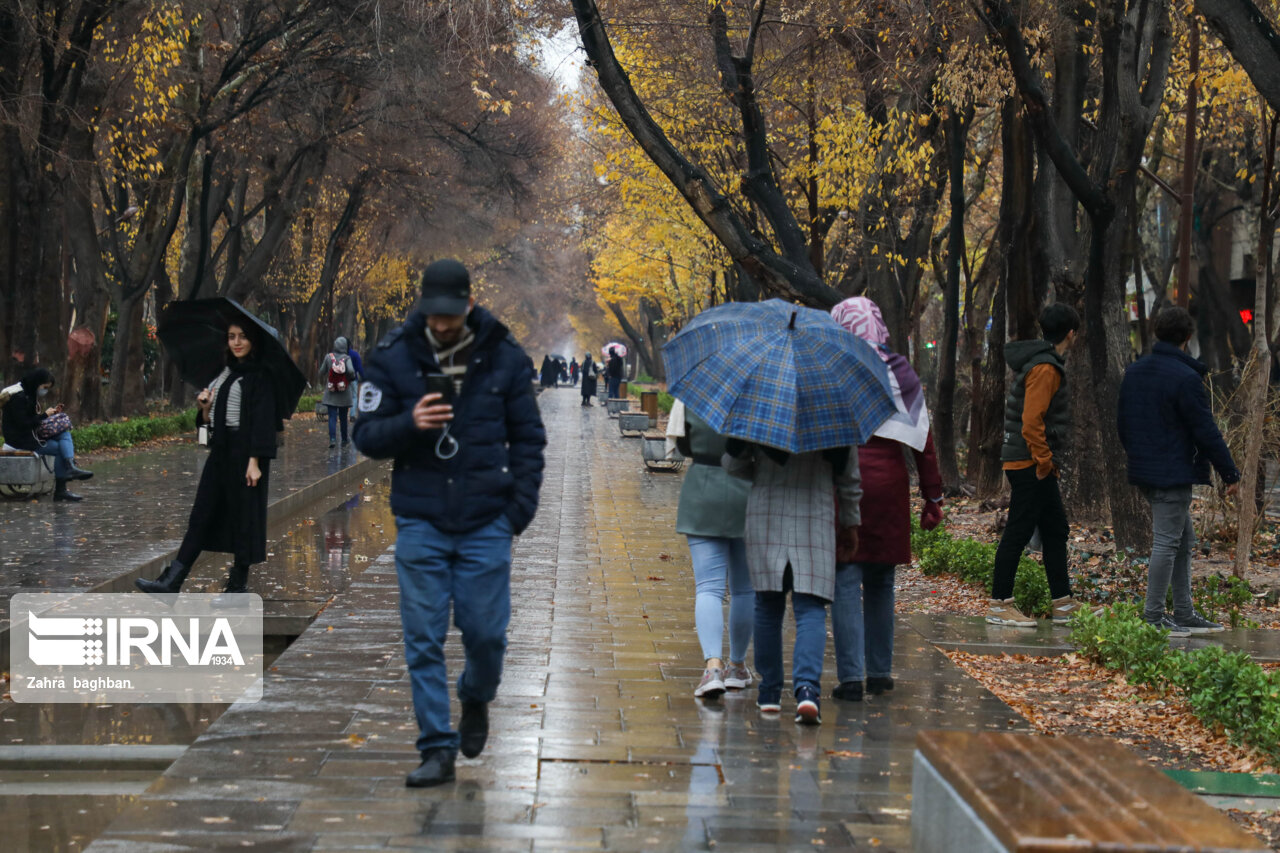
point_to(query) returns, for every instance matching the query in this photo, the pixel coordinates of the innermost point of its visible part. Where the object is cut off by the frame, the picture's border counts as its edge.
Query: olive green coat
(712, 503)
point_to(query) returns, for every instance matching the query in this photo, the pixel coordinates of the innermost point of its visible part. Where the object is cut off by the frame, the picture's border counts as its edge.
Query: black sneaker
(877, 684)
(436, 769)
(1166, 622)
(473, 728)
(807, 710)
(848, 691)
(1197, 624)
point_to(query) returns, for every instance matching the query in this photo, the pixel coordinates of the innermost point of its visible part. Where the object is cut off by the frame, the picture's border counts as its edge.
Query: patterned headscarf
(861, 316)
(910, 426)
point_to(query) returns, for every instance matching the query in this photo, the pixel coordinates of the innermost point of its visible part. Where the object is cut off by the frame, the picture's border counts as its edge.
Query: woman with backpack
(338, 373)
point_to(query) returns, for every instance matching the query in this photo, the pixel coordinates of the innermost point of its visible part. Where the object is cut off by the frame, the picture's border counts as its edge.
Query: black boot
(169, 582)
(237, 584)
(78, 473)
(60, 492)
(436, 769)
(473, 728)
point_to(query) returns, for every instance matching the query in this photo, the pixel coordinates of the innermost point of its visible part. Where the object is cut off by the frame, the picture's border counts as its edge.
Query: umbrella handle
(447, 445)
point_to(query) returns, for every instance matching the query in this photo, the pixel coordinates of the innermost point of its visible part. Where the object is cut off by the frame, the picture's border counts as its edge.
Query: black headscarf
(33, 379)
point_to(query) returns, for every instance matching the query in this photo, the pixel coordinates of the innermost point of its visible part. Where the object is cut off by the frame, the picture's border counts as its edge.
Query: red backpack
(337, 372)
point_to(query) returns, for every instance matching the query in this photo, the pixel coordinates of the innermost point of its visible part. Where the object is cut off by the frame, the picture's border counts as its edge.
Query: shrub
(921, 539)
(1119, 638)
(1230, 690)
(1030, 588)
(1221, 598)
(665, 401)
(307, 403)
(130, 432)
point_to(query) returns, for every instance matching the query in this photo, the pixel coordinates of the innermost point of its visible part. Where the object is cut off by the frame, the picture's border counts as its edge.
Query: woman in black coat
(230, 510)
(590, 372)
(21, 420)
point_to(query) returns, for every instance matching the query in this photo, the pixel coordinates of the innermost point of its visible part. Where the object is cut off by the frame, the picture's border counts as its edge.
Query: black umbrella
(194, 333)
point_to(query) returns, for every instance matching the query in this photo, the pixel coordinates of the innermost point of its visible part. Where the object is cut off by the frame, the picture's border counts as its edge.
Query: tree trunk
(125, 391)
(945, 426)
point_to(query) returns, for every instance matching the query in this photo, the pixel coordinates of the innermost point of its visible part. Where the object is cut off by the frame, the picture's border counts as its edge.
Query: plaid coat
(791, 517)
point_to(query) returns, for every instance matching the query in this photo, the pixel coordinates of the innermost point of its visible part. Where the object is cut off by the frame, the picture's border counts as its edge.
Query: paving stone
(597, 742)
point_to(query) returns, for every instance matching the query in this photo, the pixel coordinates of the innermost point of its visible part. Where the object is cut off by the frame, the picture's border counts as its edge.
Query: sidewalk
(597, 742)
(136, 507)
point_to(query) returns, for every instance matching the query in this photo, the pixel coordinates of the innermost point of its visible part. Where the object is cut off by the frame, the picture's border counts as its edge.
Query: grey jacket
(338, 398)
(791, 517)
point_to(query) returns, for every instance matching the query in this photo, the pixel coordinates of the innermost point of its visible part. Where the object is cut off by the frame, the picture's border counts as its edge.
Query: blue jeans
(615, 386)
(715, 561)
(473, 571)
(338, 414)
(862, 619)
(63, 451)
(811, 640)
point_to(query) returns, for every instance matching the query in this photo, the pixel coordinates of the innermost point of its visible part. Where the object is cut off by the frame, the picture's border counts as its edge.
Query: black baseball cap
(446, 288)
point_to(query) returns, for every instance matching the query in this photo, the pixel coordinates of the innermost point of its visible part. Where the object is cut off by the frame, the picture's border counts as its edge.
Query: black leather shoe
(79, 473)
(436, 769)
(849, 691)
(60, 492)
(473, 728)
(878, 684)
(169, 582)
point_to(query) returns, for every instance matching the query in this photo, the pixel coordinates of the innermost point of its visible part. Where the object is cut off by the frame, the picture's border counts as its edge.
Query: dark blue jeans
(471, 571)
(615, 386)
(338, 414)
(862, 620)
(811, 640)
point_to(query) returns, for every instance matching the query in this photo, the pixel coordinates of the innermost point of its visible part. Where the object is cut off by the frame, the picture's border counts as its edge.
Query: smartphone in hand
(438, 383)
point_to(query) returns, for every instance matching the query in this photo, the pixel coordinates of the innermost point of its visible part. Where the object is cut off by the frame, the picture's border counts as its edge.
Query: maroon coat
(885, 533)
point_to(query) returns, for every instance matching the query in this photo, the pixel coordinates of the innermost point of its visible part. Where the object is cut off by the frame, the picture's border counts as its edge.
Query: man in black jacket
(1170, 436)
(449, 395)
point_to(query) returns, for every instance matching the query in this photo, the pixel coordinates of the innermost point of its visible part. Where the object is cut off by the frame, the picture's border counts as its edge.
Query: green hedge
(130, 432)
(974, 562)
(1224, 689)
(665, 401)
(127, 433)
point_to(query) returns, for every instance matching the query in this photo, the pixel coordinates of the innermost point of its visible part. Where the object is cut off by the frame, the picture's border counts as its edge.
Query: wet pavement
(136, 507)
(597, 742)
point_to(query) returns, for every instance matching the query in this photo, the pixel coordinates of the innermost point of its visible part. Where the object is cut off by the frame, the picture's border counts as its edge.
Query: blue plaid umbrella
(779, 374)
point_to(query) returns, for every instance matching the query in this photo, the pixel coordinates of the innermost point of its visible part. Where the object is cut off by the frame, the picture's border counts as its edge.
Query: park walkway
(597, 742)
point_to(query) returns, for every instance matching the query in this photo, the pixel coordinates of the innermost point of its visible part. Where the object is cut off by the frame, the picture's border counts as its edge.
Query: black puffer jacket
(498, 467)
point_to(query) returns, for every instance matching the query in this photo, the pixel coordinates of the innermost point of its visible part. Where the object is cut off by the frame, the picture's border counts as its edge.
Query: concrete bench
(653, 449)
(633, 424)
(25, 474)
(997, 791)
(617, 405)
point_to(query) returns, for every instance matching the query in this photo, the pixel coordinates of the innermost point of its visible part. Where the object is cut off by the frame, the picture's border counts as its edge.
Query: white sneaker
(1005, 613)
(738, 676)
(711, 686)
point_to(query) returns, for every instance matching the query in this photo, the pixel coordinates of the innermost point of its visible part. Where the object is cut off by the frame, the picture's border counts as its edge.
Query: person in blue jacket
(1170, 436)
(449, 395)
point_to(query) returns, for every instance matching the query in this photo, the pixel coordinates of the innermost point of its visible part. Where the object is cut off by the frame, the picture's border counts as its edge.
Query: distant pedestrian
(449, 395)
(614, 373)
(712, 515)
(44, 430)
(548, 372)
(590, 376)
(862, 613)
(229, 514)
(1037, 431)
(791, 547)
(573, 371)
(1169, 433)
(355, 386)
(338, 373)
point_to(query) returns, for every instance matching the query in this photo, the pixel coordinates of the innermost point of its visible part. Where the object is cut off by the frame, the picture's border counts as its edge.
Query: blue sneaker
(807, 711)
(769, 701)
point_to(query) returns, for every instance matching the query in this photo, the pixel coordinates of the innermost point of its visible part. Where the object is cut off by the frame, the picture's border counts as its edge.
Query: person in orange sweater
(1036, 433)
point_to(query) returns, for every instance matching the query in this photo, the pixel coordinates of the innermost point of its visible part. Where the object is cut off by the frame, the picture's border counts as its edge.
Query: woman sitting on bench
(22, 424)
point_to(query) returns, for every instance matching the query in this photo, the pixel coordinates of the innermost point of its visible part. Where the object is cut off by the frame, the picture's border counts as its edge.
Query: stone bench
(653, 449)
(997, 791)
(633, 424)
(25, 474)
(617, 405)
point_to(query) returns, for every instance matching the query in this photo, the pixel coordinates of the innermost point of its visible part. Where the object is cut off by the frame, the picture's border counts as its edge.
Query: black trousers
(1034, 503)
